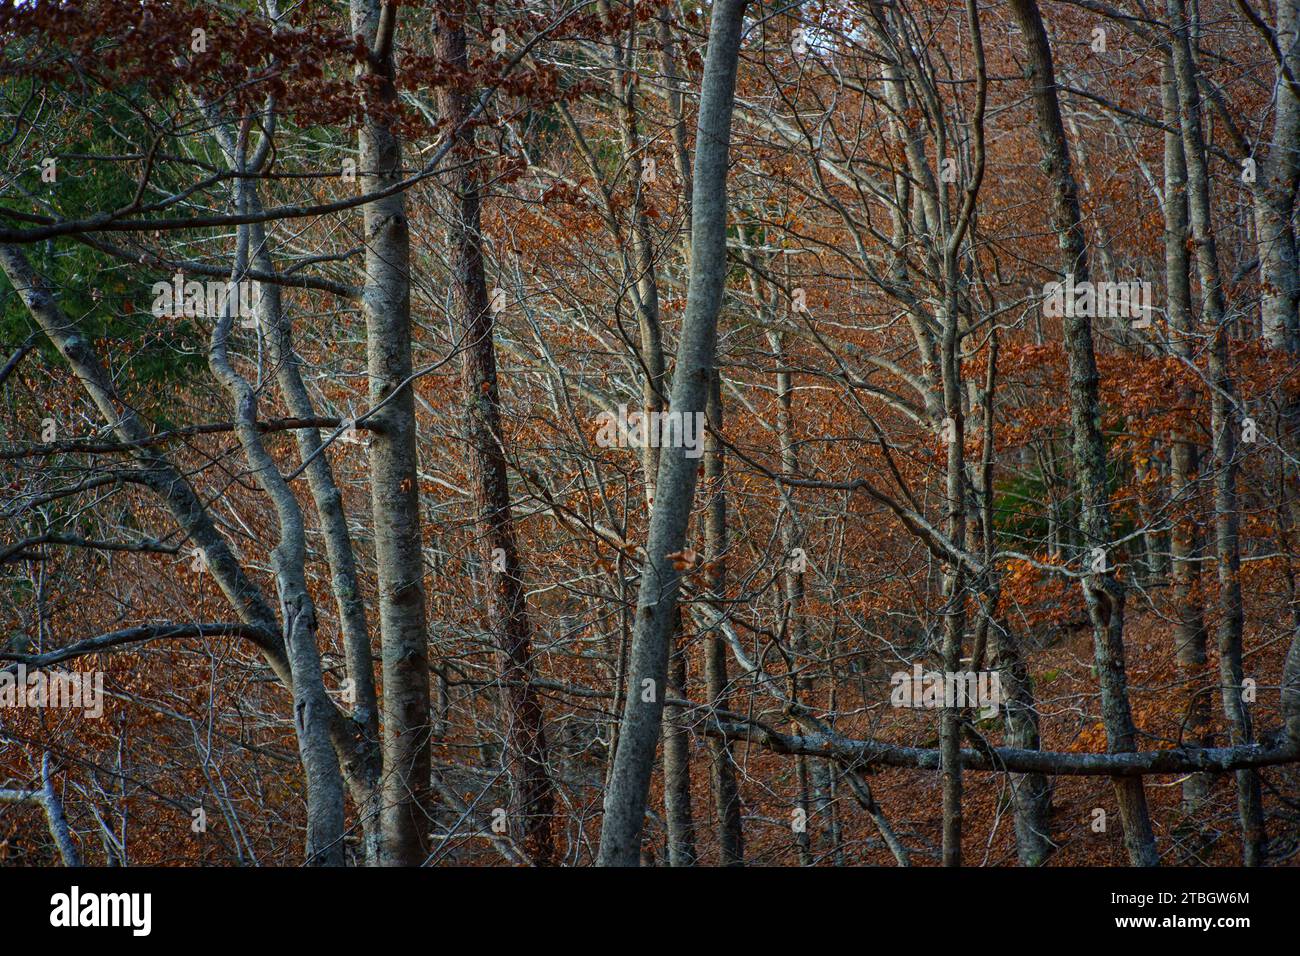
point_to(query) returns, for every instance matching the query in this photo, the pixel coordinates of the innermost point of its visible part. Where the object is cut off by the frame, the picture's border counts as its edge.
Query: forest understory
(645, 432)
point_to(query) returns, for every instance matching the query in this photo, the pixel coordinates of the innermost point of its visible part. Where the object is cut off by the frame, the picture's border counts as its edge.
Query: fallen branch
(862, 754)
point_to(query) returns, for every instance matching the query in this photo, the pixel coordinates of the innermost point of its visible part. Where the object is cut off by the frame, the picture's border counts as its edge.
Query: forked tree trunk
(311, 704)
(356, 738)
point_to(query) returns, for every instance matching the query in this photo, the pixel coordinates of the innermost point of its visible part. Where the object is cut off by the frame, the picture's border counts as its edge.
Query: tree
(359, 363)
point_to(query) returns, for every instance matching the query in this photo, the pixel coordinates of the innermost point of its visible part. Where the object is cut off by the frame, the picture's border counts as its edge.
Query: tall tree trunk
(311, 704)
(360, 758)
(1224, 427)
(792, 582)
(620, 839)
(394, 489)
(677, 764)
(954, 612)
(532, 800)
(290, 665)
(722, 775)
(1275, 195)
(1189, 618)
(654, 384)
(1103, 591)
(361, 761)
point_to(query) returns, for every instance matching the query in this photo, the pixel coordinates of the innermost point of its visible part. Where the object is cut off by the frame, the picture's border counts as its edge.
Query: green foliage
(1022, 505)
(108, 299)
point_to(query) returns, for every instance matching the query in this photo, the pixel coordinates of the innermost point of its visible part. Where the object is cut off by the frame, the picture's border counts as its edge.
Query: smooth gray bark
(677, 765)
(359, 756)
(311, 705)
(1185, 571)
(954, 611)
(1277, 175)
(394, 489)
(620, 840)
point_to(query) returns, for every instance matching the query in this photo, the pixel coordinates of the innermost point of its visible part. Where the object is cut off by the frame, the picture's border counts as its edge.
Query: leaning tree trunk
(531, 798)
(620, 838)
(195, 522)
(1103, 591)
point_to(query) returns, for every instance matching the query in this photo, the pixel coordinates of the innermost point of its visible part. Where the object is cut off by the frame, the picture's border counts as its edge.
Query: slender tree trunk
(954, 621)
(1103, 591)
(722, 775)
(620, 840)
(1275, 195)
(1189, 619)
(1224, 427)
(311, 704)
(361, 761)
(677, 766)
(792, 582)
(675, 83)
(55, 819)
(532, 800)
(654, 385)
